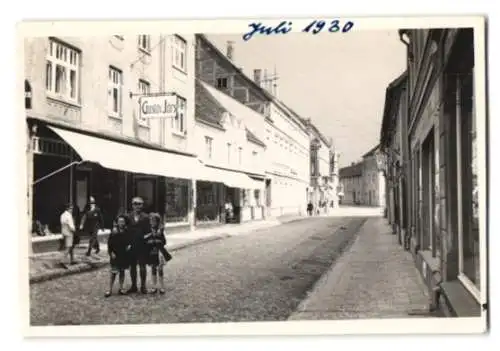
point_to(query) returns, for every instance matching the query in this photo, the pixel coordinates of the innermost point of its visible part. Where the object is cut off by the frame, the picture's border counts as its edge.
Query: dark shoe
(122, 292)
(144, 290)
(73, 262)
(132, 290)
(162, 291)
(107, 294)
(87, 254)
(97, 251)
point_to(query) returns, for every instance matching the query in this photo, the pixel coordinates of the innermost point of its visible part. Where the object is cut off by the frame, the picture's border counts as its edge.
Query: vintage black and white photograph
(274, 170)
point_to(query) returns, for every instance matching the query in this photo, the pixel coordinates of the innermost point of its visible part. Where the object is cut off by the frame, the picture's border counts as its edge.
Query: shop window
(207, 208)
(146, 189)
(176, 202)
(468, 206)
(430, 230)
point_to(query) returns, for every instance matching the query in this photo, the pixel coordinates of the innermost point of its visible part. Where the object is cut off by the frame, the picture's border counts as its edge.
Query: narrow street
(261, 276)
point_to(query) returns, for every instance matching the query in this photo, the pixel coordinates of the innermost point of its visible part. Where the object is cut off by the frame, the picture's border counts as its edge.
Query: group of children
(150, 251)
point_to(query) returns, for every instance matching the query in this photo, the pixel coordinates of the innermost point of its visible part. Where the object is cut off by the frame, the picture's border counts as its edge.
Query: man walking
(138, 225)
(91, 223)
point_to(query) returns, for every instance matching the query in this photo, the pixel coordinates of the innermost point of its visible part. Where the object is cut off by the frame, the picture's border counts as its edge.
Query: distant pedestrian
(68, 230)
(310, 208)
(138, 226)
(157, 253)
(119, 245)
(91, 222)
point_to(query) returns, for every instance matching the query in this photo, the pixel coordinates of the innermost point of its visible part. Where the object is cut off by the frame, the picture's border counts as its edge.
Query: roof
(209, 110)
(355, 170)
(257, 87)
(389, 105)
(319, 134)
(372, 151)
(268, 96)
(253, 138)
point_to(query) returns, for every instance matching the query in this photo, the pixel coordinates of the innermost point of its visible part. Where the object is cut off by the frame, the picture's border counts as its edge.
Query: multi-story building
(351, 180)
(88, 128)
(363, 183)
(286, 157)
(395, 146)
(442, 173)
(234, 153)
(374, 185)
(323, 168)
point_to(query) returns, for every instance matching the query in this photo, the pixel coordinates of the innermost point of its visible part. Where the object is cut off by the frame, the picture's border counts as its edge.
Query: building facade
(374, 182)
(227, 147)
(394, 143)
(351, 180)
(323, 189)
(286, 158)
(87, 135)
(363, 183)
(442, 178)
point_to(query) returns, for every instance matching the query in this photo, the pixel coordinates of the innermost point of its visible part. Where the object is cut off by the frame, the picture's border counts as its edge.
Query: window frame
(71, 53)
(209, 147)
(180, 46)
(144, 43)
(140, 84)
(176, 121)
(462, 275)
(228, 153)
(112, 85)
(240, 155)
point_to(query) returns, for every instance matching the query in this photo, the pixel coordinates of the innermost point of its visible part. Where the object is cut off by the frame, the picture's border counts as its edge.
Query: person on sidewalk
(310, 208)
(119, 244)
(91, 223)
(68, 230)
(157, 253)
(138, 225)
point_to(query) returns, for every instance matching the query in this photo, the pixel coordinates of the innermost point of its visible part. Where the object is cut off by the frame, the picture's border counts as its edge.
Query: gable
(217, 70)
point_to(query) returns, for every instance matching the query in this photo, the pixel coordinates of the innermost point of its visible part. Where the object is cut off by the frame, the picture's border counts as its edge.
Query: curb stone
(90, 266)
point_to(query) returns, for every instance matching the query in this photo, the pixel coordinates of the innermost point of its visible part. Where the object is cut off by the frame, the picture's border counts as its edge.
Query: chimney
(257, 76)
(230, 50)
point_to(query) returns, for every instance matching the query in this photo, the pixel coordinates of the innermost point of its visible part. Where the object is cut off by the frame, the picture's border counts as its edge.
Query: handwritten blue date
(285, 27)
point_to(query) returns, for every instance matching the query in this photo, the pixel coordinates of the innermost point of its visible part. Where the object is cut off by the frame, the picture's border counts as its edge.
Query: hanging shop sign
(157, 106)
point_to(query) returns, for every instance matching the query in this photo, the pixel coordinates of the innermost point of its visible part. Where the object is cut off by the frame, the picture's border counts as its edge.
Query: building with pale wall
(286, 157)
(363, 183)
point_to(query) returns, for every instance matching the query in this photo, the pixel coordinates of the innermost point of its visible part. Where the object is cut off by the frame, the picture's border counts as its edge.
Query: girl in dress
(118, 247)
(157, 253)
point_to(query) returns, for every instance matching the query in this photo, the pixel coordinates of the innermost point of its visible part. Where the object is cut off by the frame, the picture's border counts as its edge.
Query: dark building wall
(214, 68)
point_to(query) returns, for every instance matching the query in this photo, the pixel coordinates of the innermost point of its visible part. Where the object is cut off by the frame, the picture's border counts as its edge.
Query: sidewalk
(375, 278)
(46, 266)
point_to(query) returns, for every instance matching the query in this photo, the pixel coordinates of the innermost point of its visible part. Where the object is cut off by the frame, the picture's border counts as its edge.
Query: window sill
(115, 117)
(179, 69)
(144, 51)
(62, 99)
(179, 134)
(459, 300)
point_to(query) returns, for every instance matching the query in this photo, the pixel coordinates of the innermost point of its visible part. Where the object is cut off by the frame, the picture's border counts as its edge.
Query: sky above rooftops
(338, 81)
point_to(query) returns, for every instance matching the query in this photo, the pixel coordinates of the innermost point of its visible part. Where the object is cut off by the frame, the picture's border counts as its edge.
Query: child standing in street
(118, 248)
(157, 253)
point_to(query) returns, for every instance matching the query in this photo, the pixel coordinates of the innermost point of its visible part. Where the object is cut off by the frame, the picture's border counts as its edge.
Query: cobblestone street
(261, 276)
